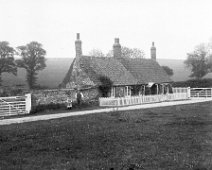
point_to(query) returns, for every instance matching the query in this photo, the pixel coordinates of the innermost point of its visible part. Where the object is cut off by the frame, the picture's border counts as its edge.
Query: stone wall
(59, 96)
(90, 94)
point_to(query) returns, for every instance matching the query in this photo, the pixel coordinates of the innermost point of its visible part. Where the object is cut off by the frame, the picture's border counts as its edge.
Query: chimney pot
(117, 40)
(116, 48)
(78, 36)
(153, 51)
(78, 46)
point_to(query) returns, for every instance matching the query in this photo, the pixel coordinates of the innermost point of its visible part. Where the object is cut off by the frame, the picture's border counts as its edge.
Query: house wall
(59, 96)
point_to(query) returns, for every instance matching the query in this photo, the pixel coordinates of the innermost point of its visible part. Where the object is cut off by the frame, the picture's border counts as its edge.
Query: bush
(4, 94)
(105, 86)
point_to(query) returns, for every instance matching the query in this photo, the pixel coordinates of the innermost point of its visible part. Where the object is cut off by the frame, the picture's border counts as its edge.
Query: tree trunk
(31, 79)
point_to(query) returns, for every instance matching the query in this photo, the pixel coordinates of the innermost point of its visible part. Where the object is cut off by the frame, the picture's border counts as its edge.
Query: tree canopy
(168, 70)
(7, 63)
(199, 61)
(33, 61)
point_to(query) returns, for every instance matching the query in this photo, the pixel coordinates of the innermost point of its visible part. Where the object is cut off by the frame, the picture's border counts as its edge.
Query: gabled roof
(145, 70)
(124, 71)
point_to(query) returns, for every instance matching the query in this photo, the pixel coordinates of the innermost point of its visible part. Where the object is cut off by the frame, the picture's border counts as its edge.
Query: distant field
(51, 76)
(177, 137)
(181, 73)
(56, 69)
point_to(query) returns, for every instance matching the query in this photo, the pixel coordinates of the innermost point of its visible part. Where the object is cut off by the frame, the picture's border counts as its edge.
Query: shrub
(105, 86)
(4, 94)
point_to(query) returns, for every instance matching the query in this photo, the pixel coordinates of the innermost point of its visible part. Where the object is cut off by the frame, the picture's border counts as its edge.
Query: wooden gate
(15, 105)
(201, 92)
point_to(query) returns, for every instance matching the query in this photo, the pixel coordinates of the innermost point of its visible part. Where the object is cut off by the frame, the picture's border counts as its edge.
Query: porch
(177, 94)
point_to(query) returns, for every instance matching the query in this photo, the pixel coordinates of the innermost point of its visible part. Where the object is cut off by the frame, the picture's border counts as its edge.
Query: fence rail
(178, 94)
(15, 105)
(201, 92)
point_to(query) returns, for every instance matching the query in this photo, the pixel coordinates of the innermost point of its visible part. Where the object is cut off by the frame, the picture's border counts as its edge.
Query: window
(127, 91)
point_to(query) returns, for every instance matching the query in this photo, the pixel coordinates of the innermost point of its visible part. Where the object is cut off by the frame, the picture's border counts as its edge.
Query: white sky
(176, 26)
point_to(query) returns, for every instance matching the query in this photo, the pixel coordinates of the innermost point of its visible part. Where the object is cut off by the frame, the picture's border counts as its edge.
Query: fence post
(211, 92)
(28, 102)
(189, 92)
(100, 102)
(10, 111)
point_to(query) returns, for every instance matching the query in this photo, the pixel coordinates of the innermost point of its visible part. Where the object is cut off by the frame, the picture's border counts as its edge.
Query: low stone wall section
(59, 96)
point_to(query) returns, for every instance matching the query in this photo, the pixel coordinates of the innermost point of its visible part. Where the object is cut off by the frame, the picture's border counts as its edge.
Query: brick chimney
(78, 46)
(153, 51)
(116, 48)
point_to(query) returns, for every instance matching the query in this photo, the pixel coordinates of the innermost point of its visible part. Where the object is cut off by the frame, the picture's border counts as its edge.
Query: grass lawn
(177, 137)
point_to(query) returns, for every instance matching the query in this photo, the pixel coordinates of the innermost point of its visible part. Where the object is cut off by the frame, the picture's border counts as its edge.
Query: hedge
(202, 83)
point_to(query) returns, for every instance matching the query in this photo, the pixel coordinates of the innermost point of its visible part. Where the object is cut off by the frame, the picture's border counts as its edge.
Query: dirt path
(135, 107)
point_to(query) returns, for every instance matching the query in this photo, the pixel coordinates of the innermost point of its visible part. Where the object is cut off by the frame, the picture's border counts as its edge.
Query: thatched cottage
(128, 76)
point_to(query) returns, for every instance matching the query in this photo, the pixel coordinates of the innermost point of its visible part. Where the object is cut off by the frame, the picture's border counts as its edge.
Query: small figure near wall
(79, 97)
(69, 103)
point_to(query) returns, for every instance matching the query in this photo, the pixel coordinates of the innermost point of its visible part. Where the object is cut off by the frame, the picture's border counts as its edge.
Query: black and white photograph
(105, 85)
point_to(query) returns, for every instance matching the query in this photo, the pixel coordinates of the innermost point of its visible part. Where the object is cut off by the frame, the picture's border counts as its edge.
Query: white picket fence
(178, 94)
(201, 92)
(15, 105)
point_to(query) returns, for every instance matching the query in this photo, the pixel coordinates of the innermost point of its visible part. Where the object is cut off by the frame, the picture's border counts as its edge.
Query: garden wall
(59, 96)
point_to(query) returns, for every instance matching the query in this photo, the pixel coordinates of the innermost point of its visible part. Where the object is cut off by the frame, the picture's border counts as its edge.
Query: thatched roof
(145, 70)
(124, 71)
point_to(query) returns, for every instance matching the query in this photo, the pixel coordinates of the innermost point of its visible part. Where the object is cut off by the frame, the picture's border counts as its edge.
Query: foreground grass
(178, 137)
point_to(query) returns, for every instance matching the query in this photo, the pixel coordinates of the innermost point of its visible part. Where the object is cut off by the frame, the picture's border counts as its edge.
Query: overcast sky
(176, 26)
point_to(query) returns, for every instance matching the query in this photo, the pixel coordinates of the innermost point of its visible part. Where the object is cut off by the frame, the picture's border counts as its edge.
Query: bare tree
(129, 53)
(96, 53)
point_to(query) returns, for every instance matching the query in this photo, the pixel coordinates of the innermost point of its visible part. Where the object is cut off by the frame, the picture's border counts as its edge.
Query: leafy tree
(33, 61)
(168, 70)
(7, 63)
(199, 61)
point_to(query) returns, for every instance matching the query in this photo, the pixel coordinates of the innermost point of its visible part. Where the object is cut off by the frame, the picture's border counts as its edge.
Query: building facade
(128, 76)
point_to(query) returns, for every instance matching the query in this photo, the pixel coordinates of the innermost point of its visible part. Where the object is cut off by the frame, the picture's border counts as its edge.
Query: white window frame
(112, 94)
